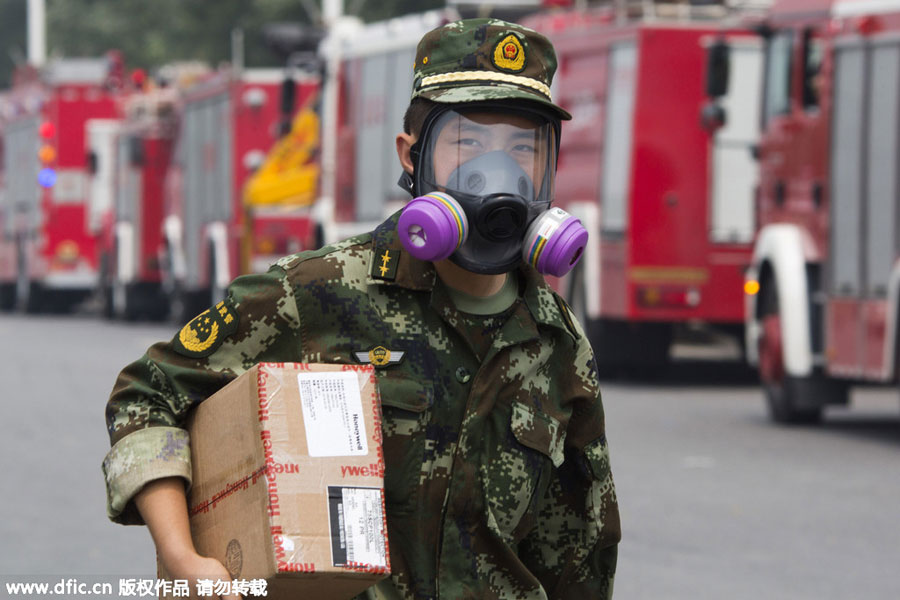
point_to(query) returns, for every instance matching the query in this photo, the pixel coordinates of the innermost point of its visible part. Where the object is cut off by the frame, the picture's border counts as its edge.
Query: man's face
(462, 139)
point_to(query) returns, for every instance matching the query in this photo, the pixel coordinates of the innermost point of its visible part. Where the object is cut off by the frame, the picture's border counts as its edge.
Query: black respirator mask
(482, 188)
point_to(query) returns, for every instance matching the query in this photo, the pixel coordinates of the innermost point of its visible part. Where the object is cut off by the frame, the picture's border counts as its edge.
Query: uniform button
(462, 375)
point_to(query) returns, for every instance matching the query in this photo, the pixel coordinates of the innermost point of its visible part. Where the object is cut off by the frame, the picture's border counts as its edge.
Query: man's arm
(163, 505)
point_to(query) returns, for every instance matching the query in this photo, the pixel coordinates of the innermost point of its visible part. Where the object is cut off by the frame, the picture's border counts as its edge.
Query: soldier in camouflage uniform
(497, 477)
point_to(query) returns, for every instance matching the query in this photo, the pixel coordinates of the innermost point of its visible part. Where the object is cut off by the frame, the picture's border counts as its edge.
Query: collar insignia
(384, 263)
(566, 313)
(379, 356)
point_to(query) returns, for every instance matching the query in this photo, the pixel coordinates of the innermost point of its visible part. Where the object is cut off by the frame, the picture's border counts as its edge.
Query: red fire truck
(128, 161)
(228, 122)
(47, 257)
(823, 289)
(371, 89)
(669, 209)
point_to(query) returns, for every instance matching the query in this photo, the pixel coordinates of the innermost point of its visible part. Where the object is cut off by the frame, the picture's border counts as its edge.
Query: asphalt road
(716, 502)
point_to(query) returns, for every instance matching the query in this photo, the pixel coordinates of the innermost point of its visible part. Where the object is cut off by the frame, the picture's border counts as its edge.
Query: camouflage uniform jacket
(497, 478)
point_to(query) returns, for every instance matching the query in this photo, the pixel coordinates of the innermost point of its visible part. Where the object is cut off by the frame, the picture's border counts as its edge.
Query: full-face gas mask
(483, 184)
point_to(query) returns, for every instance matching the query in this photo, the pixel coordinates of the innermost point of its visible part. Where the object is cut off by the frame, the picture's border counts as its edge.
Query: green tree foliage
(153, 32)
(12, 37)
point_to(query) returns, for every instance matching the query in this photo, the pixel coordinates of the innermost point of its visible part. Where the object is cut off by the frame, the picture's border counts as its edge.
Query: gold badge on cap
(509, 54)
(380, 356)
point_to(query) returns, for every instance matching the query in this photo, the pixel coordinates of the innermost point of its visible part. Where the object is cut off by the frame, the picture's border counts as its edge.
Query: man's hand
(193, 567)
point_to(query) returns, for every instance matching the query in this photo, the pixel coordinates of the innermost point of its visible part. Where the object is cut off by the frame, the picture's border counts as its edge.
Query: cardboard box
(288, 479)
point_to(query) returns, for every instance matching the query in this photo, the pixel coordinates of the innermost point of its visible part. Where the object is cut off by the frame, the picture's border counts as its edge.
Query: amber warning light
(751, 287)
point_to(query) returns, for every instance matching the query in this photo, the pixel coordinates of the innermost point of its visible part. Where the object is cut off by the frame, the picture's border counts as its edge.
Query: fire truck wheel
(791, 400)
(156, 305)
(217, 293)
(104, 288)
(184, 305)
(126, 301)
(27, 292)
(179, 305)
(7, 297)
(29, 296)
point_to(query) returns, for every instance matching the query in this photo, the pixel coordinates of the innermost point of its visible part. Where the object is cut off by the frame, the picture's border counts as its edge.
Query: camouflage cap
(485, 59)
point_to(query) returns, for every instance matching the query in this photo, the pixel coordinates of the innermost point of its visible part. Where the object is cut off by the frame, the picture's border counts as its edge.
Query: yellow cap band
(463, 76)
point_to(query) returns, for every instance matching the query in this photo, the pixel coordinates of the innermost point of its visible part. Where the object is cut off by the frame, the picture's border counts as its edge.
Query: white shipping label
(364, 527)
(332, 414)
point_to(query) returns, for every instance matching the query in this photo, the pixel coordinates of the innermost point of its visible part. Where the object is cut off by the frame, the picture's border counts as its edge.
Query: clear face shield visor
(477, 153)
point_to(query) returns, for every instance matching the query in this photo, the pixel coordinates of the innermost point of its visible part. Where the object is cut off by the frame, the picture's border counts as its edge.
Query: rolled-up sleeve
(138, 458)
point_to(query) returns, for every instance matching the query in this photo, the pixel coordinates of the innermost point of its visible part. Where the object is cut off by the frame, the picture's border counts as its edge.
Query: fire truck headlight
(254, 159)
(47, 177)
(692, 297)
(67, 251)
(652, 296)
(265, 246)
(649, 296)
(751, 287)
(254, 97)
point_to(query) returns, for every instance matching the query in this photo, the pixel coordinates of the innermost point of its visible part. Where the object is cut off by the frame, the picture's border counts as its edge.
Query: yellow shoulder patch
(205, 333)
(509, 54)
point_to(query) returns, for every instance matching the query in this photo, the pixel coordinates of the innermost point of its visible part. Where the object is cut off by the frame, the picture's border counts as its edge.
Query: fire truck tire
(791, 400)
(7, 297)
(126, 301)
(183, 305)
(216, 292)
(104, 288)
(155, 302)
(30, 298)
(180, 305)
(176, 305)
(318, 237)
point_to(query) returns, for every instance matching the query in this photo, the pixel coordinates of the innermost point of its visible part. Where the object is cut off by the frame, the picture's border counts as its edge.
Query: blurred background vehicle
(128, 159)
(735, 162)
(823, 289)
(48, 259)
(669, 209)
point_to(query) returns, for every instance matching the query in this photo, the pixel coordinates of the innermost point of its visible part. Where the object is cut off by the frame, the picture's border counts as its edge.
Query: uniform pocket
(538, 431)
(519, 469)
(404, 408)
